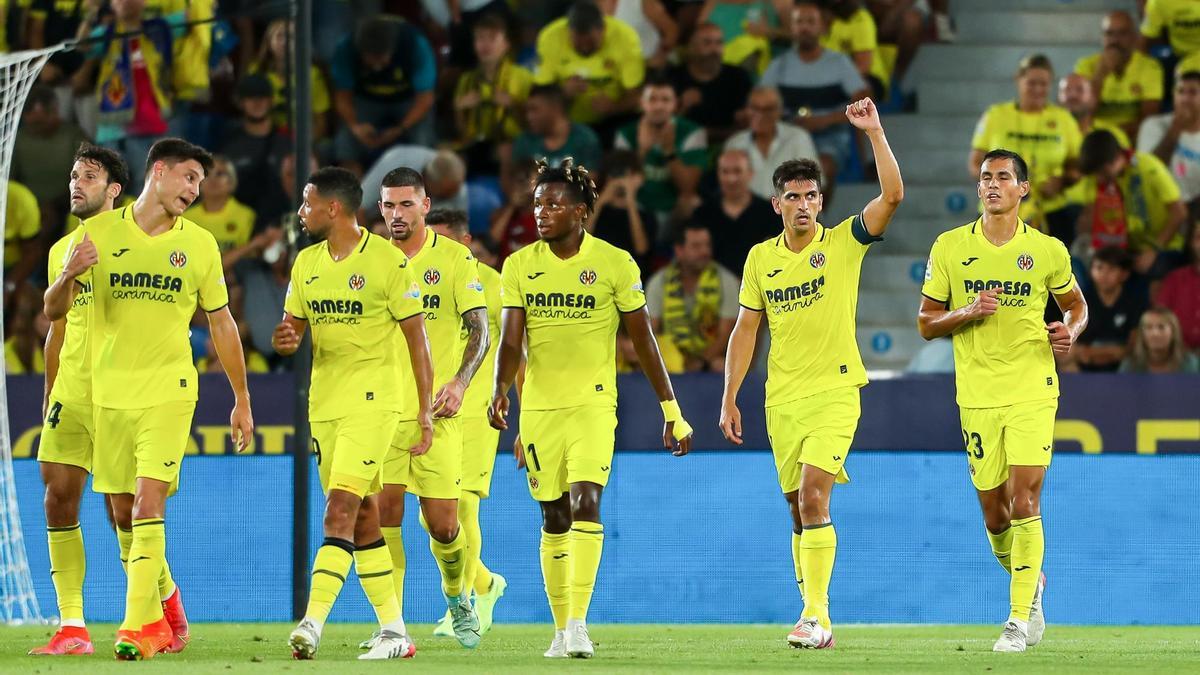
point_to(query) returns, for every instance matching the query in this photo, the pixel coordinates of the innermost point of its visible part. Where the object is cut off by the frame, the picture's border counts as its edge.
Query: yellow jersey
(231, 226)
(612, 70)
(1045, 139)
(1003, 359)
(487, 120)
(857, 34)
(73, 383)
(23, 221)
(572, 308)
(1148, 189)
(448, 277)
(1181, 20)
(353, 307)
(145, 292)
(479, 393)
(811, 300)
(1120, 101)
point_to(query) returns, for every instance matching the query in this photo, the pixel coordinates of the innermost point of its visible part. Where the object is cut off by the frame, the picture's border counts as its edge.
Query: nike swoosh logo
(1022, 568)
(970, 260)
(312, 279)
(772, 274)
(120, 253)
(535, 275)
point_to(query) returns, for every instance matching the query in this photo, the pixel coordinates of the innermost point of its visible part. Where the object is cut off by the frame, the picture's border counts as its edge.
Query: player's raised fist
(863, 115)
(285, 339)
(986, 303)
(83, 256)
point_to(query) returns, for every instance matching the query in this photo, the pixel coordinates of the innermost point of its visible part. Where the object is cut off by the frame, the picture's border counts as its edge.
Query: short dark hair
(1189, 76)
(111, 160)
(171, 151)
(455, 219)
(403, 176)
(658, 78)
(1035, 62)
(571, 174)
(41, 95)
(585, 16)
(1115, 256)
(376, 35)
(339, 185)
(795, 169)
(1019, 166)
(493, 21)
(551, 92)
(1099, 148)
(679, 233)
(619, 163)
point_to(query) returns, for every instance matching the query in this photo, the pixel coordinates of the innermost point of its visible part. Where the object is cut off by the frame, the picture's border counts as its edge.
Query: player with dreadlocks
(566, 294)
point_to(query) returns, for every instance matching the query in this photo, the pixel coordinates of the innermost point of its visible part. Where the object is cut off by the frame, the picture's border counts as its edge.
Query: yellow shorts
(351, 451)
(815, 430)
(139, 443)
(1015, 435)
(479, 455)
(570, 445)
(436, 474)
(67, 435)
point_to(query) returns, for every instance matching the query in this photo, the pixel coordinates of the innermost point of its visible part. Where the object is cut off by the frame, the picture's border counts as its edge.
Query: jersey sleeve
(858, 231)
(1072, 137)
(56, 260)
(937, 278)
(632, 70)
(468, 292)
(981, 139)
(750, 295)
(1061, 279)
(863, 35)
(510, 284)
(1152, 23)
(405, 298)
(1160, 180)
(629, 294)
(547, 49)
(1152, 81)
(293, 302)
(213, 292)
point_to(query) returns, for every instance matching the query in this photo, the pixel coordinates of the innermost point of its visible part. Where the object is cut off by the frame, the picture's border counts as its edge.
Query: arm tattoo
(478, 339)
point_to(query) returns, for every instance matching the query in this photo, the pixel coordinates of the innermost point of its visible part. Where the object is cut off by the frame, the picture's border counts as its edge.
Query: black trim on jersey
(976, 222)
(1024, 227)
(823, 231)
(944, 302)
(858, 227)
(364, 244)
(750, 308)
(216, 309)
(472, 309)
(779, 240)
(435, 238)
(639, 308)
(512, 307)
(410, 316)
(302, 318)
(1068, 283)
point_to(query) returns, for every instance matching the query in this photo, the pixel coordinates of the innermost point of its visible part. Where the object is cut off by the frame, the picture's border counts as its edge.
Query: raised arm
(508, 360)
(449, 398)
(228, 342)
(737, 361)
(675, 428)
(878, 213)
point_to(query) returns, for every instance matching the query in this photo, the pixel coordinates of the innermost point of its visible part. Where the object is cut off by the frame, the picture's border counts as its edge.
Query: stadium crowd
(683, 137)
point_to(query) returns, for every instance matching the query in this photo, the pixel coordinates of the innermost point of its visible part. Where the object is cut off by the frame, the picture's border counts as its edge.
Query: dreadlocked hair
(575, 175)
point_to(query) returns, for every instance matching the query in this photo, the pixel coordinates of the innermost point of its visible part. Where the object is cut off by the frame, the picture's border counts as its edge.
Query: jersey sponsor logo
(431, 301)
(432, 276)
(968, 261)
(1021, 288)
(929, 269)
(414, 291)
(1024, 262)
(791, 298)
(120, 253)
(178, 259)
(817, 260)
(560, 305)
(331, 311)
(357, 281)
(587, 277)
(637, 286)
(143, 286)
(475, 285)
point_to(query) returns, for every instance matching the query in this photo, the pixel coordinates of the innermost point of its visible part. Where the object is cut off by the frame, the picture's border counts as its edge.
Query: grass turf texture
(262, 648)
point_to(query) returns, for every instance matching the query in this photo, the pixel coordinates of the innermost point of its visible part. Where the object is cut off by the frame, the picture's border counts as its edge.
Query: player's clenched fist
(1061, 339)
(83, 256)
(285, 339)
(985, 303)
(731, 423)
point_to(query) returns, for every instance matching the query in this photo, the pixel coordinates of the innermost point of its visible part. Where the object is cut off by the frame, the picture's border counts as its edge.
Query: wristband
(671, 413)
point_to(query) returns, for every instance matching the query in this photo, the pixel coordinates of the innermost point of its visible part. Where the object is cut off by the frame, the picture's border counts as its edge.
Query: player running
(358, 294)
(806, 282)
(566, 293)
(149, 267)
(986, 285)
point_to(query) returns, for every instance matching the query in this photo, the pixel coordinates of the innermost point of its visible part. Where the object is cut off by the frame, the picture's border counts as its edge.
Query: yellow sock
(587, 542)
(68, 563)
(1028, 548)
(468, 515)
(146, 556)
(395, 545)
(818, 547)
(556, 572)
(329, 571)
(483, 579)
(451, 558)
(124, 542)
(166, 584)
(1002, 547)
(374, 567)
(796, 564)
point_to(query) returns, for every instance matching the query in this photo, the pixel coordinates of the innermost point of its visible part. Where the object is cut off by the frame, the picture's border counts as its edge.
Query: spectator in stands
(900, 23)
(383, 79)
(851, 31)
(1174, 137)
(736, 218)
(489, 98)
(1046, 135)
(769, 141)
(1159, 346)
(23, 245)
(593, 58)
(465, 17)
(43, 152)
(693, 303)
(656, 29)
(1114, 309)
(1180, 21)
(445, 176)
(1075, 93)
(513, 226)
(673, 151)
(552, 135)
(52, 22)
(816, 85)
(1129, 200)
(218, 210)
(711, 93)
(274, 63)
(749, 27)
(23, 351)
(1128, 81)
(1180, 292)
(617, 216)
(256, 148)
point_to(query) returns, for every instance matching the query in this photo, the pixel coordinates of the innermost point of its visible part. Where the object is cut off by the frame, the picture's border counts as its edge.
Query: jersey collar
(585, 245)
(977, 230)
(127, 216)
(781, 247)
(431, 240)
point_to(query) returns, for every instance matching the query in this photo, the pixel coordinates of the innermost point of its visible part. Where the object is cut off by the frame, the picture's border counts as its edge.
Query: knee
(556, 517)
(391, 512)
(340, 517)
(586, 506)
(812, 506)
(997, 519)
(1026, 504)
(442, 526)
(147, 506)
(62, 504)
(793, 500)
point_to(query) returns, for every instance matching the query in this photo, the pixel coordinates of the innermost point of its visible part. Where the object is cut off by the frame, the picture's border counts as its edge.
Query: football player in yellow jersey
(479, 438)
(362, 301)
(457, 323)
(805, 281)
(986, 285)
(566, 294)
(148, 266)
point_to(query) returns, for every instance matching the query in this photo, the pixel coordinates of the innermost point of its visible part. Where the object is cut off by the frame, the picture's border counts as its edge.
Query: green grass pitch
(262, 648)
